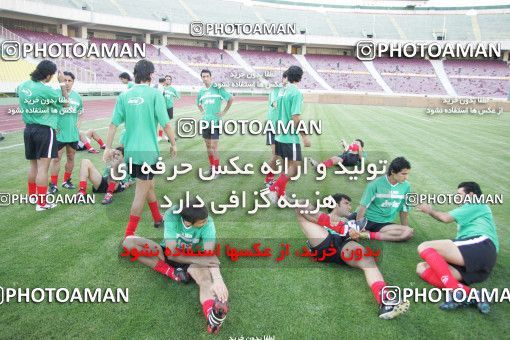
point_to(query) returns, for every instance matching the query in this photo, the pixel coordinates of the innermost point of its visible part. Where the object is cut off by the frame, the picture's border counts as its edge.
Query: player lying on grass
(351, 155)
(68, 136)
(382, 199)
(272, 115)
(40, 104)
(287, 144)
(141, 109)
(84, 142)
(469, 258)
(324, 231)
(104, 183)
(192, 227)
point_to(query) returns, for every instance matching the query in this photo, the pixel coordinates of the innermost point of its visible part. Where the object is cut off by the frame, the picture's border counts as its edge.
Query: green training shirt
(210, 100)
(289, 104)
(68, 119)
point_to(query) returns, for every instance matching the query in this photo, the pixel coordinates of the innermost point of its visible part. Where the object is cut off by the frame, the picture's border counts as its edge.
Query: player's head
(399, 169)
(196, 217)
(359, 142)
(285, 79)
(124, 77)
(69, 80)
(294, 74)
(118, 154)
(144, 69)
(343, 205)
(168, 79)
(44, 71)
(162, 81)
(469, 188)
(206, 76)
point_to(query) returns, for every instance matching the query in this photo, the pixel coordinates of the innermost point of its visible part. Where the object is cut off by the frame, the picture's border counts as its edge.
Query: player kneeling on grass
(192, 227)
(103, 183)
(382, 199)
(324, 231)
(350, 156)
(469, 258)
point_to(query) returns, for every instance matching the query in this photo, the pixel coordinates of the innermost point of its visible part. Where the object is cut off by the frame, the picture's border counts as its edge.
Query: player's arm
(361, 212)
(164, 121)
(295, 110)
(218, 287)
(404, 218)
(118, 118)
(366, 199)
(230, 100)
(63, 88)
(441, 216)
(199, 105)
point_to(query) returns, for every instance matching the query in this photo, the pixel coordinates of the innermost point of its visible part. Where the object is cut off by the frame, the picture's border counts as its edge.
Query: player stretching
(382, 199)
(170, 94)
(40, 105)
(141, 109)
(209, 103)
(350, 156)
(104, 183)
(68, 136)
(469, 258)
(84, 142)
(194, 228)
(272, 115)
(324, 231)
(287, 145)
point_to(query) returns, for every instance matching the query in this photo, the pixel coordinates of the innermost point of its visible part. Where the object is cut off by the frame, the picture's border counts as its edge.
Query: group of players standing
(52, 124)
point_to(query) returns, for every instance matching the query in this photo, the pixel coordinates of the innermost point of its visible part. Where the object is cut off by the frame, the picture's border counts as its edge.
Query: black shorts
(349, 159)
(332, 240)
(211, 132)
(103, 187)
(170, 112)
(40, 142)
(270, 138)
(174, 264)
(290, 151)
(376, 226)
(74, 145)
(137, 172)
(479, 255)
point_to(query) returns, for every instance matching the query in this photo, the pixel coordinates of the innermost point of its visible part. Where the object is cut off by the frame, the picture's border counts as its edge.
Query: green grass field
(77, 246)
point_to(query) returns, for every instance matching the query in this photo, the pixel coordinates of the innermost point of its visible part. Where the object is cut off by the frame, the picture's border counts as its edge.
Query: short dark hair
(191, 214)
(69, 74)
(285, 74)
(471, 187)
(398, 164)
(338, 198)
(143, 70)
(44, 69)
(361, 142)
(294, 74)
(162, 80)
(205, 71)
(121, 149)
(125, 75)
(169, 76)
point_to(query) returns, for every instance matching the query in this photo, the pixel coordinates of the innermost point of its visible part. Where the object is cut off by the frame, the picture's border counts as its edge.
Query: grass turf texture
(77, 246)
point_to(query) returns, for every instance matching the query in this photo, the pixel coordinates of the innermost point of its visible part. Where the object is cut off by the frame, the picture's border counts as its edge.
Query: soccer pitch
(78, 246)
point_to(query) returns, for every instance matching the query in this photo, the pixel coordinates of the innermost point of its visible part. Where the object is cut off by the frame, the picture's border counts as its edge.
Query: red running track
(93, 109)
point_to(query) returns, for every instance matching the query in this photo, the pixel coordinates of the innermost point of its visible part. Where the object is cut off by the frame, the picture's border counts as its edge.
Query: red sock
(156, 216)
(165, 269)
(111, 187)
(100, 142)
(132, 225)
(269, 177)
(206, 306)
(374, 235)
(376, 290)
(280, 185)
(83, 187)
(67, 175)
(87, 146)
(160, 133)
(54, 180)
(440, 267)
(32, 188)
(429, 276)
(216, 163)
(328, 163)
(211, 161)
(41, 195)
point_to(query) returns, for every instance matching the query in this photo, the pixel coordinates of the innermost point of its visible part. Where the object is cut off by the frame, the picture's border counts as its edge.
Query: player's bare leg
(54, 170)
(88, 172)
(41, 180)
(68, 168)
(393, 233)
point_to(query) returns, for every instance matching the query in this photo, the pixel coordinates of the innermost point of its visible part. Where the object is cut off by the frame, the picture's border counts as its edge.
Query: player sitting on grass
(192, 227)
(469, 258)
(350, 156)
(382, 199)
(103, 183)
(84, 142)
(324, 231)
